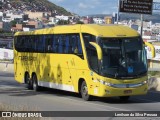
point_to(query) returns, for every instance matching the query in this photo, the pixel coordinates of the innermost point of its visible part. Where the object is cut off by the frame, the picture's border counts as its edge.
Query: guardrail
(153, 69)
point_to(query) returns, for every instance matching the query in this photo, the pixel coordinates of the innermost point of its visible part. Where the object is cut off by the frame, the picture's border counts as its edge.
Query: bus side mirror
(99, 50)
(152, 48)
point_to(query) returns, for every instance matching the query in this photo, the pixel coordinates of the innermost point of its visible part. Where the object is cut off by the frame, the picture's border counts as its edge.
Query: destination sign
(136, 6)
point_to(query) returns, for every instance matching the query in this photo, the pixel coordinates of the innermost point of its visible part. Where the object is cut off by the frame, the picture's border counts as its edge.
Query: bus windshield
(123, 57)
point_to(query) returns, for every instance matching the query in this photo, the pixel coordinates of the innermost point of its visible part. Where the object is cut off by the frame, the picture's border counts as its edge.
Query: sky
(88, 7)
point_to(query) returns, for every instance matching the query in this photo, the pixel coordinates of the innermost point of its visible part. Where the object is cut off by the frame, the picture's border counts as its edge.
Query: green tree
(1, 30)
(63, 22)
(23, 23)
(30, 1)
(13, 23)
(79, 22)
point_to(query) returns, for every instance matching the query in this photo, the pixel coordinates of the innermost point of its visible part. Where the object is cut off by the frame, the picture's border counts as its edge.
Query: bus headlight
(145, 82)
(123, 85)
(105, 83)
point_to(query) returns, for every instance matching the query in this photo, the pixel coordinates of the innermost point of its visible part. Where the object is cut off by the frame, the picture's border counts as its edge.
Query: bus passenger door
(74, 59)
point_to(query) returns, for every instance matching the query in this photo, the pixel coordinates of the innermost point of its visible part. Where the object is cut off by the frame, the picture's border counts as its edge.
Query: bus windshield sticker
(130, 69)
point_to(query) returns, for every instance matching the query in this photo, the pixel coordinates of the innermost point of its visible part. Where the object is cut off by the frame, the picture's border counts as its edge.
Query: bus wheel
(35, 83)
(84, 91)
(28, 82)
(124, 98)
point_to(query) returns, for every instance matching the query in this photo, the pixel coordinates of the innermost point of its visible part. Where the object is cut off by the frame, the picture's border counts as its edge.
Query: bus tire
(28, 82)
(124, 98)
(84, 91)
(35, 83)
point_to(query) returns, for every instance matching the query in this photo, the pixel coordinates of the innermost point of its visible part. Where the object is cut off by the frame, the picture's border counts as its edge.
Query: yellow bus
(90, 59)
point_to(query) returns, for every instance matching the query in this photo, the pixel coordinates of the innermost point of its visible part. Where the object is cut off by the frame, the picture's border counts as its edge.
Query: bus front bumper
(108, 91)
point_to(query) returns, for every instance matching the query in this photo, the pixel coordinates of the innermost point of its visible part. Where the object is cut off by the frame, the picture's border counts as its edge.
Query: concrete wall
(35, 15)
(7, 67)
(6, 54)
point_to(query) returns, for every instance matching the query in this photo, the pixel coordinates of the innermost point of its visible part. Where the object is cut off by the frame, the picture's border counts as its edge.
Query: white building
(27, 29)
(98, 20)
(6, 19)
(6, 16)
(1, 14)
(2, 0)
(14, 16)
(158, 38)
(53, 20)
(149, 38)
(64, 17)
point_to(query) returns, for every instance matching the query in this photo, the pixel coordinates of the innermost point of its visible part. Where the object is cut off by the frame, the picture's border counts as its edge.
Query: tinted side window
(48, 43)
(60, 43)
(79, 45)
(20, 43)
(75, 44)
(91, 51)
(15, 42)
(31, 43)
(56, 43)
(88, 38)
(67, 44)
(68, 49)
(40, 43)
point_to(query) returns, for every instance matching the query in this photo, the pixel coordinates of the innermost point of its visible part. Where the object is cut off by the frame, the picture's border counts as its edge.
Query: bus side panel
(19, 66)
(80, 70)
(54, 72)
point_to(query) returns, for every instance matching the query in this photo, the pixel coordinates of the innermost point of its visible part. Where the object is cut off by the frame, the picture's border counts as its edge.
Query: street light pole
(141, 24)
(118, 12)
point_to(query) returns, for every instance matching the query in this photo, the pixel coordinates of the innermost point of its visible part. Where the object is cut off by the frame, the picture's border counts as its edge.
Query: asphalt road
(15, 94)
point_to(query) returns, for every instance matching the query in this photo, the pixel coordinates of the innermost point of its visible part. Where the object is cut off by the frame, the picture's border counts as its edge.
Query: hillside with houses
(33, 6)
(26, 15)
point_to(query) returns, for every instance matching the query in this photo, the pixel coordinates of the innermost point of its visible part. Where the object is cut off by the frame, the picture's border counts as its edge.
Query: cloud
(82, 5)
(97, 2)
(105, 12)
(156, 0)
(85, 7)
(60, 0)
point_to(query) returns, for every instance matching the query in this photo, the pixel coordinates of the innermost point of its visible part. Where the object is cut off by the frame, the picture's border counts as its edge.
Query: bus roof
(94, 29)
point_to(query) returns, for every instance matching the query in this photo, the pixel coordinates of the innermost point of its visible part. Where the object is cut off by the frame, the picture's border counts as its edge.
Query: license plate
(127, 91)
